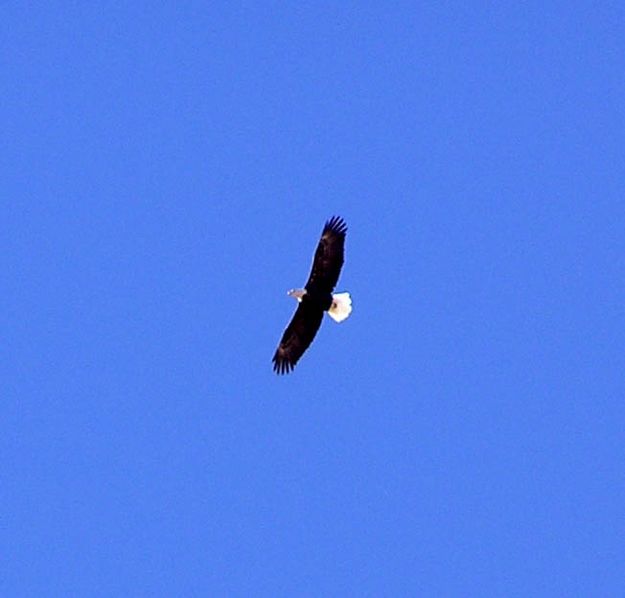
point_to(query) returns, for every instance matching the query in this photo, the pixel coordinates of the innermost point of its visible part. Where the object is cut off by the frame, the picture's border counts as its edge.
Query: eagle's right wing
(297, 337)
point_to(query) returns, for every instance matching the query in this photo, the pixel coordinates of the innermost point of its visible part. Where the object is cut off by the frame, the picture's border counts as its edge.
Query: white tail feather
(341, 306)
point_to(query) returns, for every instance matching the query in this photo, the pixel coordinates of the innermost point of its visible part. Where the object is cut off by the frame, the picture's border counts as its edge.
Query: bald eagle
(315, 298)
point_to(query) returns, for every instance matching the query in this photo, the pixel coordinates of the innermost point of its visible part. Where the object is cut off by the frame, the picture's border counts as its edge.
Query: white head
(297, 294)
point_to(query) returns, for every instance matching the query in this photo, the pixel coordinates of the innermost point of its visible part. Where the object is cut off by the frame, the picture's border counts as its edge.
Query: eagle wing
(297, 337)
(328, 256)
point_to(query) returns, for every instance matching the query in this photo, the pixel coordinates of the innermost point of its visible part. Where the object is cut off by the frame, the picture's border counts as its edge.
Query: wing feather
(329, 256)
(297, 337)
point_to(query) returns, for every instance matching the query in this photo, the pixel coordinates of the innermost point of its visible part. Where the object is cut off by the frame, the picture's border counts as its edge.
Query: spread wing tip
(336, 224)
(282, 366)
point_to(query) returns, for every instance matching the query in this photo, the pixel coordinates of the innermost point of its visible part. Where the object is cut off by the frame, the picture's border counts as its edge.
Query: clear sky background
(166, 169)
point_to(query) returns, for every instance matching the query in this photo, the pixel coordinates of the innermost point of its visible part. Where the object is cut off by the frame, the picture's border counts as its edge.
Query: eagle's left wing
(328, 258)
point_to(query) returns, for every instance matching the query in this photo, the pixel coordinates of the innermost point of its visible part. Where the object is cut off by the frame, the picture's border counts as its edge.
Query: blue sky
(166, 172)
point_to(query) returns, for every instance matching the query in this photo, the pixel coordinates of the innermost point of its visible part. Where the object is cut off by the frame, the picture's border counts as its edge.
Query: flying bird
(315, 298)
